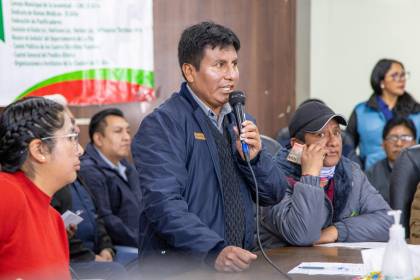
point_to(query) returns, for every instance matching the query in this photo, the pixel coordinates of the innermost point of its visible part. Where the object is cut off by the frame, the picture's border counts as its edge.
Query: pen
(322, 267)
(79, 212)
(311, 267)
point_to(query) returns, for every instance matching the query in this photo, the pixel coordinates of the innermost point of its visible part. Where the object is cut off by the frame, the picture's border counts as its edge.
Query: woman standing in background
(389, 99)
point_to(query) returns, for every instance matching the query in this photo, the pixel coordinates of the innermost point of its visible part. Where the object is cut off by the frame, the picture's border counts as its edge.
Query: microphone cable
(257, 202)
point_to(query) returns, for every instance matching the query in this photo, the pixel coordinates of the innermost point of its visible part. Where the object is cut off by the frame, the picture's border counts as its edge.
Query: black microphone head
(236, 97)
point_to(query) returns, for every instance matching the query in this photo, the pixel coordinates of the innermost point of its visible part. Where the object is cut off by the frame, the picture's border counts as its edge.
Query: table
(285, 258)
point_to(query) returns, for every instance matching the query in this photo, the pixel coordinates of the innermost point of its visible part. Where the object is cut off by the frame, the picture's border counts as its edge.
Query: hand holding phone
(312, 159)
(295, 154)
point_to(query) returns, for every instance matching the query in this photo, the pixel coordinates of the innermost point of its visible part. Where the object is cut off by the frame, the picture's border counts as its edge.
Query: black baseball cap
(312, 117)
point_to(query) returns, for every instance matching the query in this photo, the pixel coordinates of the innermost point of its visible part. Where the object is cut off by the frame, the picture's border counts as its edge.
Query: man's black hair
(196, 38)
(98, 123)
(399, 121)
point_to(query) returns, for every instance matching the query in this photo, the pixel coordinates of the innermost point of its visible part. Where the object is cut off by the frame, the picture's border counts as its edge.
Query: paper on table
(372, 258)
(326, 268)
(71, 218)
(356, 245)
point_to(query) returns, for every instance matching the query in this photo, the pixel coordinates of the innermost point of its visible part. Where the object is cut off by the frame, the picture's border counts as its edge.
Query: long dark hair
(379, 72)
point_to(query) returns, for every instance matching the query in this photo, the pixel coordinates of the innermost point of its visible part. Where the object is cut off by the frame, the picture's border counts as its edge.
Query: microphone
(237, 102)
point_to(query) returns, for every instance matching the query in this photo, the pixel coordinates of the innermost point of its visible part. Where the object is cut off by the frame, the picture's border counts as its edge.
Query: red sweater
(33, 241)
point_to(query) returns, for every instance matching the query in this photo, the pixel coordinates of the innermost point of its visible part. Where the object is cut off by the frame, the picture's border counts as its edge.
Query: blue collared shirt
(119, 167)
(384, 108)
(217, 121)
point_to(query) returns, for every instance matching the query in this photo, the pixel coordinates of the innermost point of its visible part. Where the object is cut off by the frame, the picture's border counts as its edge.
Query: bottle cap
(397, 216)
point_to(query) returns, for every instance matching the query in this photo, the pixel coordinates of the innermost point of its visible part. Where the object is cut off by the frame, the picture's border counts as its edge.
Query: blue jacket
(177, 160)
(379, 176)
(367, 122)
(358, 211)
(118, 200)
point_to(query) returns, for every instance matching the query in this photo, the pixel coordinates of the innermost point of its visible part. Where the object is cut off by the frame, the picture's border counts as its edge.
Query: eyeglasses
(73, 137)
(404, 138)
(397, 77)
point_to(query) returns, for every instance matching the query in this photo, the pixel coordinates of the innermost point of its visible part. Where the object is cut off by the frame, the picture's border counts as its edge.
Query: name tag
(199, 136)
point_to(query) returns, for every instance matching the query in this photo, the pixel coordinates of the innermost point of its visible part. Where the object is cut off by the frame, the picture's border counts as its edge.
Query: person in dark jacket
(91, 249)
(389, 100)
(329, 198)
(196, 202)
(112, 180)
(399, 133)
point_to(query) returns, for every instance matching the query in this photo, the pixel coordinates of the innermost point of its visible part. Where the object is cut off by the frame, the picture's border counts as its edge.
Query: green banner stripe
(1, 22)
(141, 77)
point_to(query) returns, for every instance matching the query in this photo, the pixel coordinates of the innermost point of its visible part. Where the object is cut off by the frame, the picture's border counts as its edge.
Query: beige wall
(303, 32)
(347, 37)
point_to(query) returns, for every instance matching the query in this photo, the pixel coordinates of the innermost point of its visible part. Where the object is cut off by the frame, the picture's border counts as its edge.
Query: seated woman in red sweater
(39, 154)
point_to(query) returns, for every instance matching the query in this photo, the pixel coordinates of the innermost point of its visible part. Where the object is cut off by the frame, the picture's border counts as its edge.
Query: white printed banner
(90, 51)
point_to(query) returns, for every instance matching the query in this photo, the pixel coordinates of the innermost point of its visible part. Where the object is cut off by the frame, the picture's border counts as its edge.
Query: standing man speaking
(196, 202)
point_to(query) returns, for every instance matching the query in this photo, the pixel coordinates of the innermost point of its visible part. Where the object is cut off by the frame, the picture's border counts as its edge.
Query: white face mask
(327, 172)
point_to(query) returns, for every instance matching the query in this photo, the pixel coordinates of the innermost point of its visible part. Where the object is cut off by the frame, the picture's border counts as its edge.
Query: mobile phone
(295, 154)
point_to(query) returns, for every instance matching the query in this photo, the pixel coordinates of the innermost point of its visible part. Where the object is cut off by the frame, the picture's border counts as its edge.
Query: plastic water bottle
(396, 263)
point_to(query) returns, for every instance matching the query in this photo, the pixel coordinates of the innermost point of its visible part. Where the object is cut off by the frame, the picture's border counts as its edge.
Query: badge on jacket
(199, 136)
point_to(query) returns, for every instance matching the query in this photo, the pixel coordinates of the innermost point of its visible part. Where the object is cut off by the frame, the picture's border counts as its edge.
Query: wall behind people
(348, 37)
(267, 59)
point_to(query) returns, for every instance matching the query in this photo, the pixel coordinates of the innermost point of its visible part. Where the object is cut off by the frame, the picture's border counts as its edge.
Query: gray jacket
(358, 211)
(379, 176)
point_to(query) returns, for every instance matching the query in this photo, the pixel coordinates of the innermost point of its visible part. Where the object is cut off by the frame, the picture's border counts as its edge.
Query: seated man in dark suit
(399, 133)
(112, 180)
